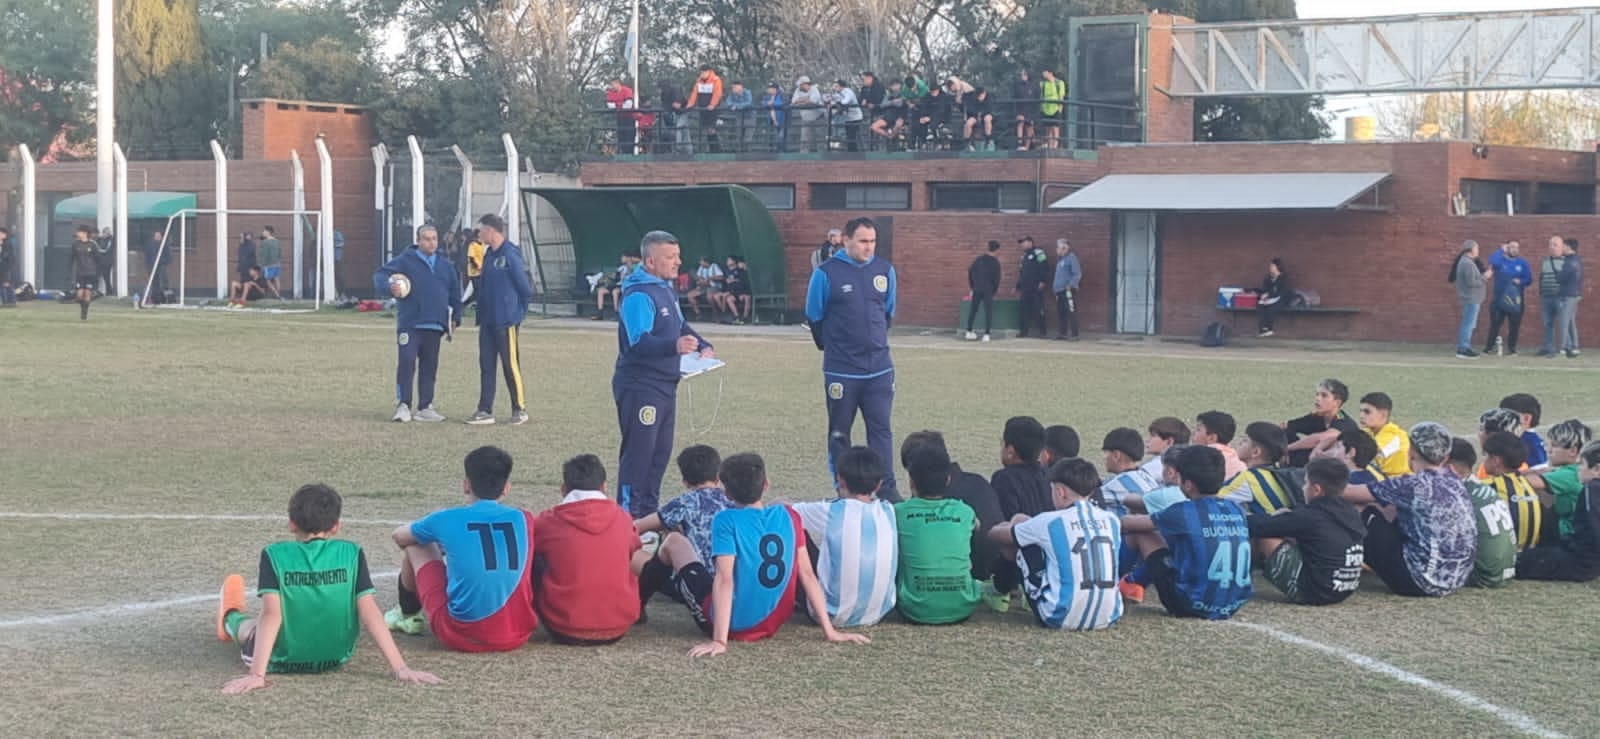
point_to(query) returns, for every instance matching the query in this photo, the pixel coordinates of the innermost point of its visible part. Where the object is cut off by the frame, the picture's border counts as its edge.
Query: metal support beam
(30, 217)
(105, 112)
(121, 160)
(464, 198)
(380, 171)
(1539, 50)
(511, 205)
(325, 225)
(220, 160)
(419, 190)
(298, 203)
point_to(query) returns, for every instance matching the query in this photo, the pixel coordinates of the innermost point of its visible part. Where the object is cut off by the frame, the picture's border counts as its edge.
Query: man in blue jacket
(1069, 273)
(850, 304)
(421, 319)
(1511, 277)
(503, 295)
(651, 336)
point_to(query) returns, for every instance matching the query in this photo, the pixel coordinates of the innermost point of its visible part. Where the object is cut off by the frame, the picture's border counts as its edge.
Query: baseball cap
(804, 80)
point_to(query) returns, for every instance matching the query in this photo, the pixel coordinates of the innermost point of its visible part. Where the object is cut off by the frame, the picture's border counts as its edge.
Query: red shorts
(508, 629)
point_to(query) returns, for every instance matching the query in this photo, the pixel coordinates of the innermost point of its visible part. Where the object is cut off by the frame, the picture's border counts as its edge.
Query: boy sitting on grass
(689, 516)
(1503, 455)
(584, 587)
(1558, 487)
(1068, 556)
(1421, 536)
(1124, 457)
(1528, 411)
(1359, 452)
(856, 542)
(1196, 552)
(1312, 553)
(469, 568)
(1495, 420)
(1496, 562)
(1577, 557)
(1263, 488)
(758, 553)
(316, 594)
(1060, 442)
(969, 488)
(1216, 429)
(1022, 489)
(1165, 432)
(1394, 447)
(934, 579)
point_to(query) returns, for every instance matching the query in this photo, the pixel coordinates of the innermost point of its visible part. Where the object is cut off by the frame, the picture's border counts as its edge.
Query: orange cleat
(233, 599)
(1130, 590)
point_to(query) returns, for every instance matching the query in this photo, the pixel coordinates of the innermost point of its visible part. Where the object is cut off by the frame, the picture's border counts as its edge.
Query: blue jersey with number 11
(486, 546)
(1210, 545)
(765, 544)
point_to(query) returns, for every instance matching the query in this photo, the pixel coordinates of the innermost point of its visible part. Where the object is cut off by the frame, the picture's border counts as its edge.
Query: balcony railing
(830, 130)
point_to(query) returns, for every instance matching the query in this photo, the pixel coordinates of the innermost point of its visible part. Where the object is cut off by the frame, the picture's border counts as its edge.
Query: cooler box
(1225, 296)
(1245, 300)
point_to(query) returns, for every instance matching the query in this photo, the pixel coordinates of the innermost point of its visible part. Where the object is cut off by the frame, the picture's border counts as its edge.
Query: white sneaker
(428, 415)
(985, 338)
(402, 413)
(971, 336)
(651, 541)
(480, 419)
(519, 417)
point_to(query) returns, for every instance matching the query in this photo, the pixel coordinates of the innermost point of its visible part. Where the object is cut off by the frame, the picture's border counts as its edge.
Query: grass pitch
(147, 417)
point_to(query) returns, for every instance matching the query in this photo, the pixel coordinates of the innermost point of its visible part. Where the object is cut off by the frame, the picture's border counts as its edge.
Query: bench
(1283, 313)
(773, 305)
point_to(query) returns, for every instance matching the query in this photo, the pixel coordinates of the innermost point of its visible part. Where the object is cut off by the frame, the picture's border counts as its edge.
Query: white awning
(1219, 192)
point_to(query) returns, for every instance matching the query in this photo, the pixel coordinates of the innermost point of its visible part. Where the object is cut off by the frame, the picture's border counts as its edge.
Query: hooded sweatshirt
(585, 588)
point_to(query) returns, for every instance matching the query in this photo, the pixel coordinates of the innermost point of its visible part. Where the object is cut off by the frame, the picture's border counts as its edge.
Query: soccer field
(143, 455)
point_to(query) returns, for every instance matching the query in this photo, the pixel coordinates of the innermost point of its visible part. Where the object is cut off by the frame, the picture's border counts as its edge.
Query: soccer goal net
(305, 266)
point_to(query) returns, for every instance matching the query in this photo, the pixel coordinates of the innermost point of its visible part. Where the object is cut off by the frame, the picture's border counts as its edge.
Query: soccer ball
(403, 282)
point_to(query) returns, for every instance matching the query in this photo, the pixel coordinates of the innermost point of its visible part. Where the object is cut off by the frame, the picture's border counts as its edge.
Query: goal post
(301, 219)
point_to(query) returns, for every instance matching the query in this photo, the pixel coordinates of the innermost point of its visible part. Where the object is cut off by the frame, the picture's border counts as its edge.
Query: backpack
(1215, 335)
(25, 291)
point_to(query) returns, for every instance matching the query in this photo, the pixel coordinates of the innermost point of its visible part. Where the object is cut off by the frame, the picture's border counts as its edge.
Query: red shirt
(620, 99)
(587, 589)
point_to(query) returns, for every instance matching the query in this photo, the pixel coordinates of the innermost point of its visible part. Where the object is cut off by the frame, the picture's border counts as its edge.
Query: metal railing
(862, 128)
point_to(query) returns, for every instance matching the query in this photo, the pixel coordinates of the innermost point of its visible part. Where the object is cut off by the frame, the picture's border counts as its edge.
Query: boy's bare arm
(1359, 495)
(403, 537)
(372, 621)
(1138, 524)
(266, 636)
(651, 522)
(721, 609)
(819, 603)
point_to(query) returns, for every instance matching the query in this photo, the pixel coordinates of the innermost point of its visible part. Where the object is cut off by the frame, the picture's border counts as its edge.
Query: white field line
(74, 516)
(124, 609)
(1510, 717)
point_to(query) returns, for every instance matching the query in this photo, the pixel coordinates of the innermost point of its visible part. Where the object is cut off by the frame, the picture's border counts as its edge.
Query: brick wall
(1168, 119)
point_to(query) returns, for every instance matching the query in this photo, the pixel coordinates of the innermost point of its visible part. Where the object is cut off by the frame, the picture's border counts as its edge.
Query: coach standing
(651, 336)
(850, 304)
(421, 319)
(503, 295)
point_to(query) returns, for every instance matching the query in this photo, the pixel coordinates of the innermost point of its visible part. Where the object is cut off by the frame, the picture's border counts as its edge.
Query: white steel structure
(183, 246)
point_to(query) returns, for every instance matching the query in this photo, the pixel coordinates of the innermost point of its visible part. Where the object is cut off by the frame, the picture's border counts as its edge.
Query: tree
(1277, 118)
(168, 102)
(327, 70)
(45, 66)
(1551, 119)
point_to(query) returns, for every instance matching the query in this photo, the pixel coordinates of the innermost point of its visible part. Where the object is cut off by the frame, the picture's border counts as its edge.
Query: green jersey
(934, 582)
(269, 254)
(1497, 538)
(1562, 484)
(318, 582)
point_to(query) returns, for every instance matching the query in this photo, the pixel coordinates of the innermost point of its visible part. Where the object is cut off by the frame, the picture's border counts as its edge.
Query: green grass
(214, 413)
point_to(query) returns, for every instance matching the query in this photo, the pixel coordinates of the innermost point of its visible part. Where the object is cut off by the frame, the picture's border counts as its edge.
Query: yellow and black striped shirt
(1526, 513)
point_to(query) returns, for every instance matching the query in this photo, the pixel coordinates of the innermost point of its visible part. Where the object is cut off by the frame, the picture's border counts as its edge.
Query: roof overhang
(143, 204)
(1224, 192)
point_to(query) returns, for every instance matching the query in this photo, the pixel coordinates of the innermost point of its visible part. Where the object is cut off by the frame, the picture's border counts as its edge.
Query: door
(1135, 272)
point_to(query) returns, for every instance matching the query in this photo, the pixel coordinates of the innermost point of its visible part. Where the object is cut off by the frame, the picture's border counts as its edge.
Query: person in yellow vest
(1053, 91)
(474, 267)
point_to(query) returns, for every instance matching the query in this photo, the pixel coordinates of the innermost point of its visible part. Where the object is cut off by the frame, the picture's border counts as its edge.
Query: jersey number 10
(1097, 561)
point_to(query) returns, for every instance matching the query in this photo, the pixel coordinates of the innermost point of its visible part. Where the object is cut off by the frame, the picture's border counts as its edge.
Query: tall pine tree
(168, 99)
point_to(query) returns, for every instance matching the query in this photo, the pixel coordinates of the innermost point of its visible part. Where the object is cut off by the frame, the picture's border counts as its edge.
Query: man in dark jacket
(1571, 285)
(422, 316)
(983, 279)
(503, 294)
(8, 263)
(1032, 280)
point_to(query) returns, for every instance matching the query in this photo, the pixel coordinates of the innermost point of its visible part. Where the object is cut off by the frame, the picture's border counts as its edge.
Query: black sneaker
(1466, 354)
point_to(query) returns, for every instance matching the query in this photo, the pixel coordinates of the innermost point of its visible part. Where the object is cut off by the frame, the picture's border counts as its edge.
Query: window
(1489, 196)
(861, 197)
(1565, 199)
(775, 197)
(1005, 196)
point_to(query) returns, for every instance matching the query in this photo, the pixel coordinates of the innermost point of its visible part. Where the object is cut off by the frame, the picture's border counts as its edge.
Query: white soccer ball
(401, 281)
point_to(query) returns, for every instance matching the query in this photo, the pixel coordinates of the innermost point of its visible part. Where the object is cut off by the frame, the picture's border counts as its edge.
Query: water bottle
(1499, 346)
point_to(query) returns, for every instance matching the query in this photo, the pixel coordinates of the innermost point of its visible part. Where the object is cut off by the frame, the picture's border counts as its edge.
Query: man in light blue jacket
(1068, 274)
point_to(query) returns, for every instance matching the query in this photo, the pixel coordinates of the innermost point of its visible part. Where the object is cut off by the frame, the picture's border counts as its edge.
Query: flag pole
(633, 53)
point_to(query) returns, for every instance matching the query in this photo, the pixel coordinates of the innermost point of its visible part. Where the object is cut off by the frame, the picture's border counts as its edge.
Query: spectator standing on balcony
(931, 112)
(742, 104)
(1511, 277)
(872, 95)
(673, 118)
(774, 117)
(958, 89)
(705, 98)
(915, 88)
(649, 132)
(619, 97)
(1069, 274)
(1032, 279)
(807, 101)
(1054, 92)
(848, 109)
(980, 119)
(1023, 92)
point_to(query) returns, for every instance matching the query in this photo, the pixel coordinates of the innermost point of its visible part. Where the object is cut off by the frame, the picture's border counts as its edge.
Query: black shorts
(247, 649)
(693, 586)
(739, 292)
(1555, 562)
(1158, 566)
(708, 118)
(1385, 553)
(86, 282)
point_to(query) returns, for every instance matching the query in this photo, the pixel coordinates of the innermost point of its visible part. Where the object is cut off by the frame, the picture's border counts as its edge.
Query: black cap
(1024, 239)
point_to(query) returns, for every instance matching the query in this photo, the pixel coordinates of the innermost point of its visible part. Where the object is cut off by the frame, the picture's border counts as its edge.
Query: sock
(410, 604)
(1138, 576)
(231, 623)
(83, 309)
(652, 578)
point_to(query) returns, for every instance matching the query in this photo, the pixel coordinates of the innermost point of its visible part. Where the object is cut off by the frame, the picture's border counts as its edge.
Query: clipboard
(692, 365)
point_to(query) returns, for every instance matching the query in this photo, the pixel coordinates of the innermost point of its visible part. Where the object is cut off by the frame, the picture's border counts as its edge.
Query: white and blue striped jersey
(1133, 482)
(857, 555)
(1069, 565)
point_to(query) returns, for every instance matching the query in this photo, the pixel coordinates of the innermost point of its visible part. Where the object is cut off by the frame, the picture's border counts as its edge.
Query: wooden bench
(773, 305)
(1315, 309)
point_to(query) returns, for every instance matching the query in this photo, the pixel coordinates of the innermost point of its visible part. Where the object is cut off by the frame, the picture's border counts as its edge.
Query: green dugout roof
(140, 205)
(709, 220)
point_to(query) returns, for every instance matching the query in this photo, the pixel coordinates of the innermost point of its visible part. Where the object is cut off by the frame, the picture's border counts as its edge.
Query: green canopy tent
(141, 206)
(709, 220)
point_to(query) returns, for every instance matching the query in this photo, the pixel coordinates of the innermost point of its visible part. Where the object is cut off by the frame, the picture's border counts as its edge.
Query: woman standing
(1471, 280)
(1273, 291)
